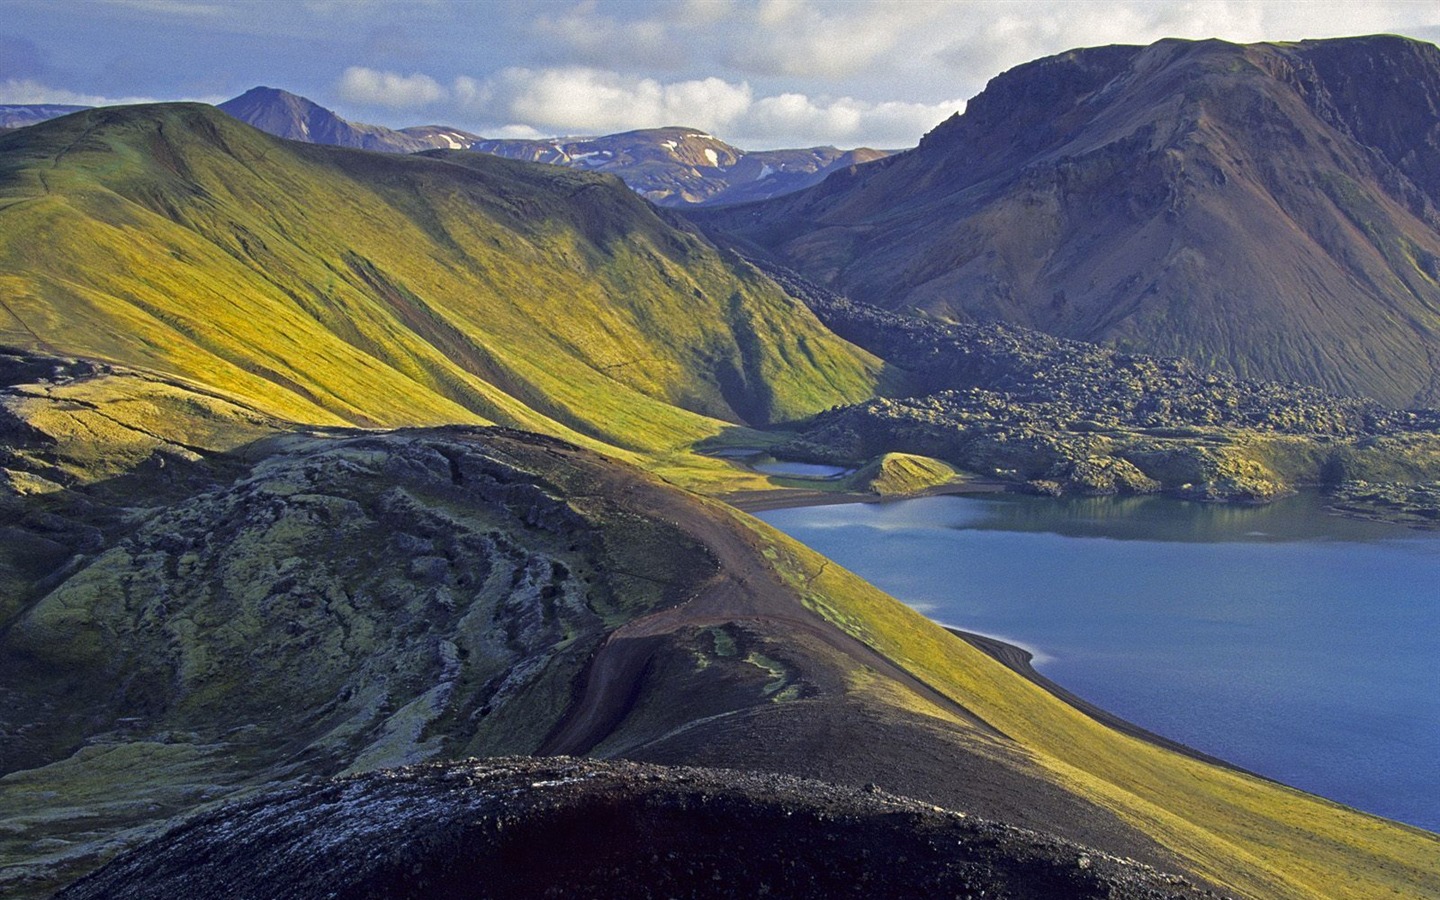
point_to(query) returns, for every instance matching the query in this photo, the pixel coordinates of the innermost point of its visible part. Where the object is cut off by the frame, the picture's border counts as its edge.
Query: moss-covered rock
(899, 474)
(1070, 417)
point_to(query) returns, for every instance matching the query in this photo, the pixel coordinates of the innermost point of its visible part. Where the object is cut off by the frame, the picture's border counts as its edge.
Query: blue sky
(759, 73)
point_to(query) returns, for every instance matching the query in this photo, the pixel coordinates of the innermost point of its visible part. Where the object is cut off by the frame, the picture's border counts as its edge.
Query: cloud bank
(367, 86)
(28, 91)
(580, 100)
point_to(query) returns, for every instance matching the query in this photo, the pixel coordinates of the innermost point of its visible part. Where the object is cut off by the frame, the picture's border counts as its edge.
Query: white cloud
(801, 39)
(517, 133)
(368, 86)
(797, 120)
(29, 91)
(579, 100)
(582, 35)
(1018, 32)
(171, 7)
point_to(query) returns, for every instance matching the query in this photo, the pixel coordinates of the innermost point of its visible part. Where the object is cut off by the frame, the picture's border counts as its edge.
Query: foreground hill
(669, 832)
(204, 601)
(1268, 210)
(335, 286)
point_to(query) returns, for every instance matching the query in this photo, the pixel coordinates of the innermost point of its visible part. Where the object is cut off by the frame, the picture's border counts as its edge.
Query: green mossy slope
(201, 602)
(342, 287)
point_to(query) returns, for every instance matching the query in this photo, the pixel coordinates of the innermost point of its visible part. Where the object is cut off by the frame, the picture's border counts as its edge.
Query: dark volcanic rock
(1070, 416)
(561, 827)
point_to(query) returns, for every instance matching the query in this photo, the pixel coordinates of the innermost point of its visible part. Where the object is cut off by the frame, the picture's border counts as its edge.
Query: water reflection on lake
(1297, 644)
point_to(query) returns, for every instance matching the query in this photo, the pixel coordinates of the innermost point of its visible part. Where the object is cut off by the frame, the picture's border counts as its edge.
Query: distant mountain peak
(680, 166)
(298, 118)
(19, 115)
(674, 165)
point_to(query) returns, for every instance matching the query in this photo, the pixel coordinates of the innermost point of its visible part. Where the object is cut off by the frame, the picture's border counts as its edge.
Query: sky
(760, 74)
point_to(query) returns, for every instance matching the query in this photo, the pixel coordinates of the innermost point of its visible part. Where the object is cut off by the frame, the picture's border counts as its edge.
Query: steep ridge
(1266, 210)
(233, 604)
(334, 286)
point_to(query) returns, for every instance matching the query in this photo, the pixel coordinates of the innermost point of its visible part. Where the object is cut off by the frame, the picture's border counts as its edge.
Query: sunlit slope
(171, 559)
(329, 285)
(1249, 835)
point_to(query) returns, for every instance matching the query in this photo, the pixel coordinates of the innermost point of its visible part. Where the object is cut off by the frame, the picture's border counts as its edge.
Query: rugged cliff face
(1268, 210)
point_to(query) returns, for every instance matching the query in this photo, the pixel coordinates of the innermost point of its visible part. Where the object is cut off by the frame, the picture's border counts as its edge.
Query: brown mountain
(1267, 209)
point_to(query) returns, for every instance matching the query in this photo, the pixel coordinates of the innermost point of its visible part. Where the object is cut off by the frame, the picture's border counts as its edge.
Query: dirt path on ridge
(745, 589)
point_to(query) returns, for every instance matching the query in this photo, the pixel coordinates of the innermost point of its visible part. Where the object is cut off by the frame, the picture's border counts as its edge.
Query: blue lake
(1296, 644)
(799, 469)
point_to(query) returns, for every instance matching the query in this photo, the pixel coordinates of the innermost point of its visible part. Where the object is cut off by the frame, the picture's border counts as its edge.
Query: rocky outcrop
(1416, 505)
(578, 828)
(1066, 416)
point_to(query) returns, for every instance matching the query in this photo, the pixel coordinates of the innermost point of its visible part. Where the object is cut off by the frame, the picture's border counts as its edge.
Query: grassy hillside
(461, 591)
(333, 286)
(176, 549)
(1249, 835)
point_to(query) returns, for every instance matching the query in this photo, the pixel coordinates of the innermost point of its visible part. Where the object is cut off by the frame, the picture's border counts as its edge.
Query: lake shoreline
(795, 498)
(1019, 660)
(1012, 656)
(1199, 620)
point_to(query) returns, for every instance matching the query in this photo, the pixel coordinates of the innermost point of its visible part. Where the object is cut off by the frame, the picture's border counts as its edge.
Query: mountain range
(669, 166)
(1267, 210)
(323, 469)
(683, 167)
(673, 166)
(21, 115)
